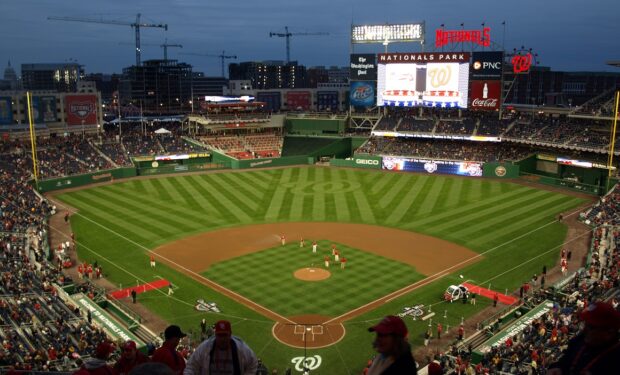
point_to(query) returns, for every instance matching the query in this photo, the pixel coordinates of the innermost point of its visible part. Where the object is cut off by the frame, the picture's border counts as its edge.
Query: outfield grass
(268, 279)
(512, 225)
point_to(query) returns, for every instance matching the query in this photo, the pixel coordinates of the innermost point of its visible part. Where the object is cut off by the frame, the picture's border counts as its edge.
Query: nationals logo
(82, 110)
(521, 63)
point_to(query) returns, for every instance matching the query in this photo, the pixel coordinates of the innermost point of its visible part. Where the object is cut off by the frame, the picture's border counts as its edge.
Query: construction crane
(286, 34)
(222, 57)
(164, 46)
(136, 25)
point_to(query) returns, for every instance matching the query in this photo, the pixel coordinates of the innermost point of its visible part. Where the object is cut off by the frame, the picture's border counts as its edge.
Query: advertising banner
(461, 168)
(327, 100)
(412, 32)
(485, 95)
(487, 65)
(362, 93)
(423, 79)
(48, 109)
(35, 102)
(81, 109)
(273, 100)
(6, 110)
(298, 100)
(363, 67)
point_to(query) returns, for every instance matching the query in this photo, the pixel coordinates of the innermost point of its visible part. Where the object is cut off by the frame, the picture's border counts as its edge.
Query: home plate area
(308, 331)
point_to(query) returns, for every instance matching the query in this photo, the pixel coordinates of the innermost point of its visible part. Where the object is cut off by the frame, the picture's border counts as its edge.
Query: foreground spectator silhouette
(167, 353)
(130, 358)
(97, 365)
(222, 354)
(394, 351)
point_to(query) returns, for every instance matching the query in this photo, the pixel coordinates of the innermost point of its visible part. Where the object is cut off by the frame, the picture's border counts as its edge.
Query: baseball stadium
(486, 225)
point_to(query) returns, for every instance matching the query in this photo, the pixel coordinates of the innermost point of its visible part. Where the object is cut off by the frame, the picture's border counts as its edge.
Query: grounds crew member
(597, 348)
(394, 356)
(167, 353)
(222, 354)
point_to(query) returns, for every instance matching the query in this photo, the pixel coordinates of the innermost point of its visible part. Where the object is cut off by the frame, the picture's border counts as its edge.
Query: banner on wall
(362, 93)
(298, 100)
(485, 95)
(48, 109)
(81, 109)
(6, 110)
(461, 168)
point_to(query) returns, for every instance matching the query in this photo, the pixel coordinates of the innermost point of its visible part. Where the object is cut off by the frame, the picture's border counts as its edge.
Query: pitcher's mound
(312, 274)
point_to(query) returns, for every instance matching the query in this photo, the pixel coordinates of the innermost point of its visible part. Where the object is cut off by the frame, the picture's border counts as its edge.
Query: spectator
(167, 353)
(222, 354)
(130, 358)
(394, 350)
(597, 349)
(98, 364)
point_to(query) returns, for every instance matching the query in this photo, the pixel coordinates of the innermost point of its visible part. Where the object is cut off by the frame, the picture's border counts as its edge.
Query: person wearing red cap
(167, 353)
(597, 348)
(221, 354)
(393, 348)
(130, 358)
(97, 365)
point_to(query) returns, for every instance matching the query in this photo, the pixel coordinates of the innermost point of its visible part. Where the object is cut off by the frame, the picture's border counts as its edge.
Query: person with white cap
(223, 353)
(391, 343)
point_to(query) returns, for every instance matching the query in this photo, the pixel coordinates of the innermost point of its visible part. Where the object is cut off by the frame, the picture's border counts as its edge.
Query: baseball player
(170, 291)
(302, 243)
(283, 239)
(326, 261)
(333, 249)
(337, 256)
(564, 265)
(152, 261)
(314, 247)
(343, 262)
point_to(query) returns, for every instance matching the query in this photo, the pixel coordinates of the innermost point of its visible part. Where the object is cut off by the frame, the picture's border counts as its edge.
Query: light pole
(83, 133)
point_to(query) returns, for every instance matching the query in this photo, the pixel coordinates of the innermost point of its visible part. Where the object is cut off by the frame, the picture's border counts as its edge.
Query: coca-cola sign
(485, 95)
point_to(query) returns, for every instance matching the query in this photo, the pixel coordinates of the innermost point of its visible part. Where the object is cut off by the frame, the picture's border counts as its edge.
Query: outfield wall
(359, 161)
(315, 126)
(85, 179)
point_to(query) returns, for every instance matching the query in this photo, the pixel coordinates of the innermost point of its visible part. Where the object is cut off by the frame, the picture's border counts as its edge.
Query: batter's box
(311, 331)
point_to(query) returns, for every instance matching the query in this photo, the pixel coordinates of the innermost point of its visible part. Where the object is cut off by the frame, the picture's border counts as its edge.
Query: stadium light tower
(286, 34)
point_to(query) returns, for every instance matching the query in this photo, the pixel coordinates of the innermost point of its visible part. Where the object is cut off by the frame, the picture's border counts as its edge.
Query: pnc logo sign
(366, 161)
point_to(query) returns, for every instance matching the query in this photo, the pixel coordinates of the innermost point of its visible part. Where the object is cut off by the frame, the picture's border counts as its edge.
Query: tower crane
(286, 34)
(136, 26)
(164, 46)
(222, 57)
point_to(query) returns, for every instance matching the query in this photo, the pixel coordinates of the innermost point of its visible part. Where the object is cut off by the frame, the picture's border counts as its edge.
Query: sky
(568, 35)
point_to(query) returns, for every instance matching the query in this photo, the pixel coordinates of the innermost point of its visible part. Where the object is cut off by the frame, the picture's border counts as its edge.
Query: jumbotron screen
(437, 80)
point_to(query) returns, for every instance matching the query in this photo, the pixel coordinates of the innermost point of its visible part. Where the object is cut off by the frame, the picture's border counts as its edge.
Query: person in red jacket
(97, 365)
(167, 353)
(130, 358)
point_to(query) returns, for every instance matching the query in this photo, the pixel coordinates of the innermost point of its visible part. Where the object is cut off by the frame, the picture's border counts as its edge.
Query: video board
(437, 80)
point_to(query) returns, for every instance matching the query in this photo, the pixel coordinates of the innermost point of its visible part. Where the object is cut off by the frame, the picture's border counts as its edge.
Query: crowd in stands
(444, 149)
(246, 146)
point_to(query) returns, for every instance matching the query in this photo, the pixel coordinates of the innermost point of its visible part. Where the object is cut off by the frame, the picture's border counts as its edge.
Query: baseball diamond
(216, 236)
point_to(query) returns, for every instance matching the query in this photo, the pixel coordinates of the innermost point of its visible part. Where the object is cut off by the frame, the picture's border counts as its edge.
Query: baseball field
(405, 237)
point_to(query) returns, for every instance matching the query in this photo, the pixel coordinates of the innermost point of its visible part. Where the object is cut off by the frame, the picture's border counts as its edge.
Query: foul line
(196, 276)
(416, 285)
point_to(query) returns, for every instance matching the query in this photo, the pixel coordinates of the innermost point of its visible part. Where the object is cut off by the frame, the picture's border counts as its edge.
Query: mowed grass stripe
(392, 193)
(477, 213)
(191, 187)
(180, 213)
(156, 185)
(164, 220)
(518, 226)
(467, 207)
(260, 178)
(229, 206)
(342, 209)
(102, 212)
(170, 185)
(297, 205)
(189, 198)
(366, 212)
(407, 200)
(277, 198)
(528, 206)
(318, 200)
(380, 180)
(233, 193)
(250, 185)
(205, 191)
(475, 189)
(428, 205)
